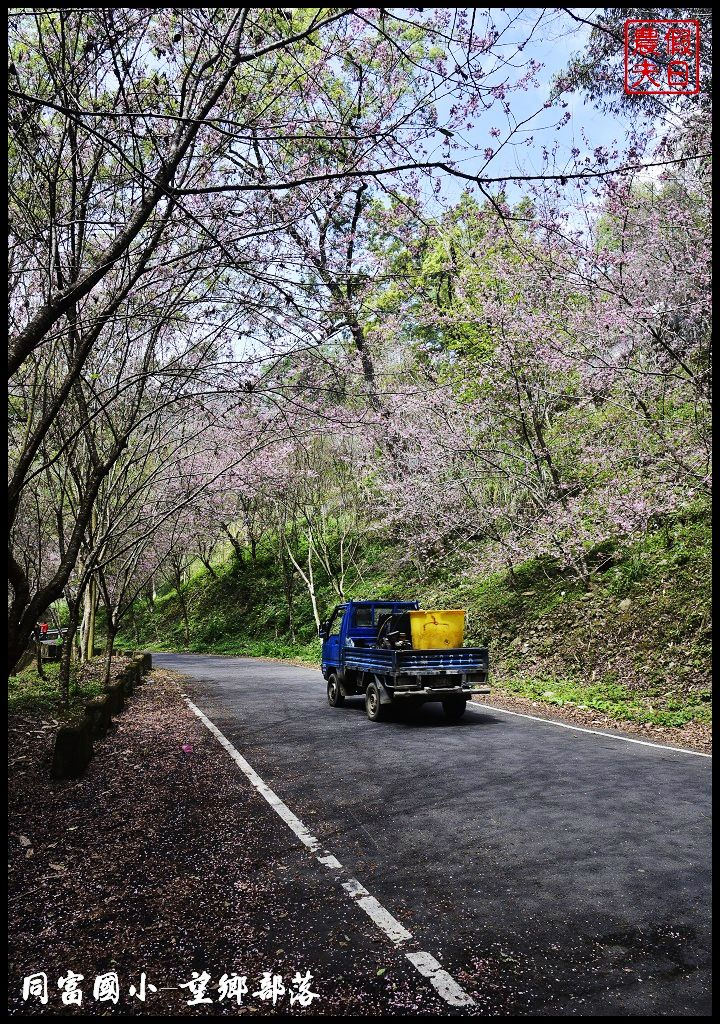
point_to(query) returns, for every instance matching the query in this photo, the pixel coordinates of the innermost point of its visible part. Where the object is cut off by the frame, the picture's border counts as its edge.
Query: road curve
(564, 871)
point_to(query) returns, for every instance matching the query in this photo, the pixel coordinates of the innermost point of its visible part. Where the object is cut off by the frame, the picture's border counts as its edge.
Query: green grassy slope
(635, 646)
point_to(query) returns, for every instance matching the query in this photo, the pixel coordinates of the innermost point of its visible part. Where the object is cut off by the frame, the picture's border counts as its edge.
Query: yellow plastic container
(435, 629)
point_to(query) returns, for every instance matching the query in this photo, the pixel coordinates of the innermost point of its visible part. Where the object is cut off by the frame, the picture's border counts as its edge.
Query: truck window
(363, 617)
(381, 616)
(333, 623)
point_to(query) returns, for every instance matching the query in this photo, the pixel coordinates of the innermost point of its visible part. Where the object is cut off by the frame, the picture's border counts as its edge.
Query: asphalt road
(549, 871)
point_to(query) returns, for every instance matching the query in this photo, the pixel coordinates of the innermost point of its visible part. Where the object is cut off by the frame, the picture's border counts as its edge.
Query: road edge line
(593, 732)
(443, 983)
(425, 964)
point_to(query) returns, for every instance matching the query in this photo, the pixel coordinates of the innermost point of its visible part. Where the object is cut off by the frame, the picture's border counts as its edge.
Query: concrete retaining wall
(74, 742)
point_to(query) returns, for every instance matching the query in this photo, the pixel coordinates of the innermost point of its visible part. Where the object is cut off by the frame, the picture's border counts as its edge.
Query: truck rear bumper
(440, 693)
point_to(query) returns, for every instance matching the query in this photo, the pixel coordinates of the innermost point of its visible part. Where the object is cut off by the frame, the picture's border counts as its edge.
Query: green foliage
(612, 698)
(242, 612)
(459, 253)
(30, 695)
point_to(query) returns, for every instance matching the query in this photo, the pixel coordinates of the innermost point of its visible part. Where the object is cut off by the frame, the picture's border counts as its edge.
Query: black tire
(454, 708)
(335, 696)
(373, 708)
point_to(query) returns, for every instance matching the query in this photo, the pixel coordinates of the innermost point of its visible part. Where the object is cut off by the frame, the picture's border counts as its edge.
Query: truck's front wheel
(454, 708)
(373, 706)
(334, 693)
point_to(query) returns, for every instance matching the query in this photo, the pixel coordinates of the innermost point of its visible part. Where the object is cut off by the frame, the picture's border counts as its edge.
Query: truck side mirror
(322, 630)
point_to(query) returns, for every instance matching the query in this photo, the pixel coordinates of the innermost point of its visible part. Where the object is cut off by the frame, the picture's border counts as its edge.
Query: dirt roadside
(693, 736)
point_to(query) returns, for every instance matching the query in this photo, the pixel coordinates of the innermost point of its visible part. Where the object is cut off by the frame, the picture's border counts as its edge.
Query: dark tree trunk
(133, 620)
(67, 647)
(237, 546)
(183, 606)
(209, 568)
(38, 659)
(112, 630)
(288, 578)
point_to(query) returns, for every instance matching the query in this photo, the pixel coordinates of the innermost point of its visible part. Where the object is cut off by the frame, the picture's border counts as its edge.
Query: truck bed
(385, 662)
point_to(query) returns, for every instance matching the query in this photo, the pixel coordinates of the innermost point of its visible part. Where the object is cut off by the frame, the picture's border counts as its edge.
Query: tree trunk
(112, 629)
(291, 614)
(38, 659)
(93, 588)
(84, 625)
(87, 627)
(186, 621)
(207, 565)
(309, 579)
(67, 647)
(288, 589)
(133, 620)
(183, 606)
(236, 545)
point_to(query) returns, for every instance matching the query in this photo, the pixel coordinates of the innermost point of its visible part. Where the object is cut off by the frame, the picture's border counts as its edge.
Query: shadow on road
(428, 716)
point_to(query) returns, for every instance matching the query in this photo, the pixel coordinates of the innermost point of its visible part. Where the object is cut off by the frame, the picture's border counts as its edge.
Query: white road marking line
(443, 983)
(290, 819)
(329, 861)
(374, 910)
(426, 964)
(593, 732)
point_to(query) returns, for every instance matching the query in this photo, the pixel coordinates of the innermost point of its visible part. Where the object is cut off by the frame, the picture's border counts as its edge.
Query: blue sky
(554, 43)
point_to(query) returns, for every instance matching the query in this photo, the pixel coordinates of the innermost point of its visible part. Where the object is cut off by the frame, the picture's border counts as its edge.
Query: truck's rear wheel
(454, 708)
(334, 693)
(373, 706)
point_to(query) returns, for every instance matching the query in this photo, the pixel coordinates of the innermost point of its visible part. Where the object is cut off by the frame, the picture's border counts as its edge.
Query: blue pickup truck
(367, 649)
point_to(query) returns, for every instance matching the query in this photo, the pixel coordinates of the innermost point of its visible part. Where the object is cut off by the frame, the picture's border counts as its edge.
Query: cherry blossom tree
(229, 219)
(135, 190)
(584, 413)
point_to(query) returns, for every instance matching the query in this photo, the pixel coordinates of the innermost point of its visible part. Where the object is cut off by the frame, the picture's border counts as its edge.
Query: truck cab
(363, 653)
(355, 624)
